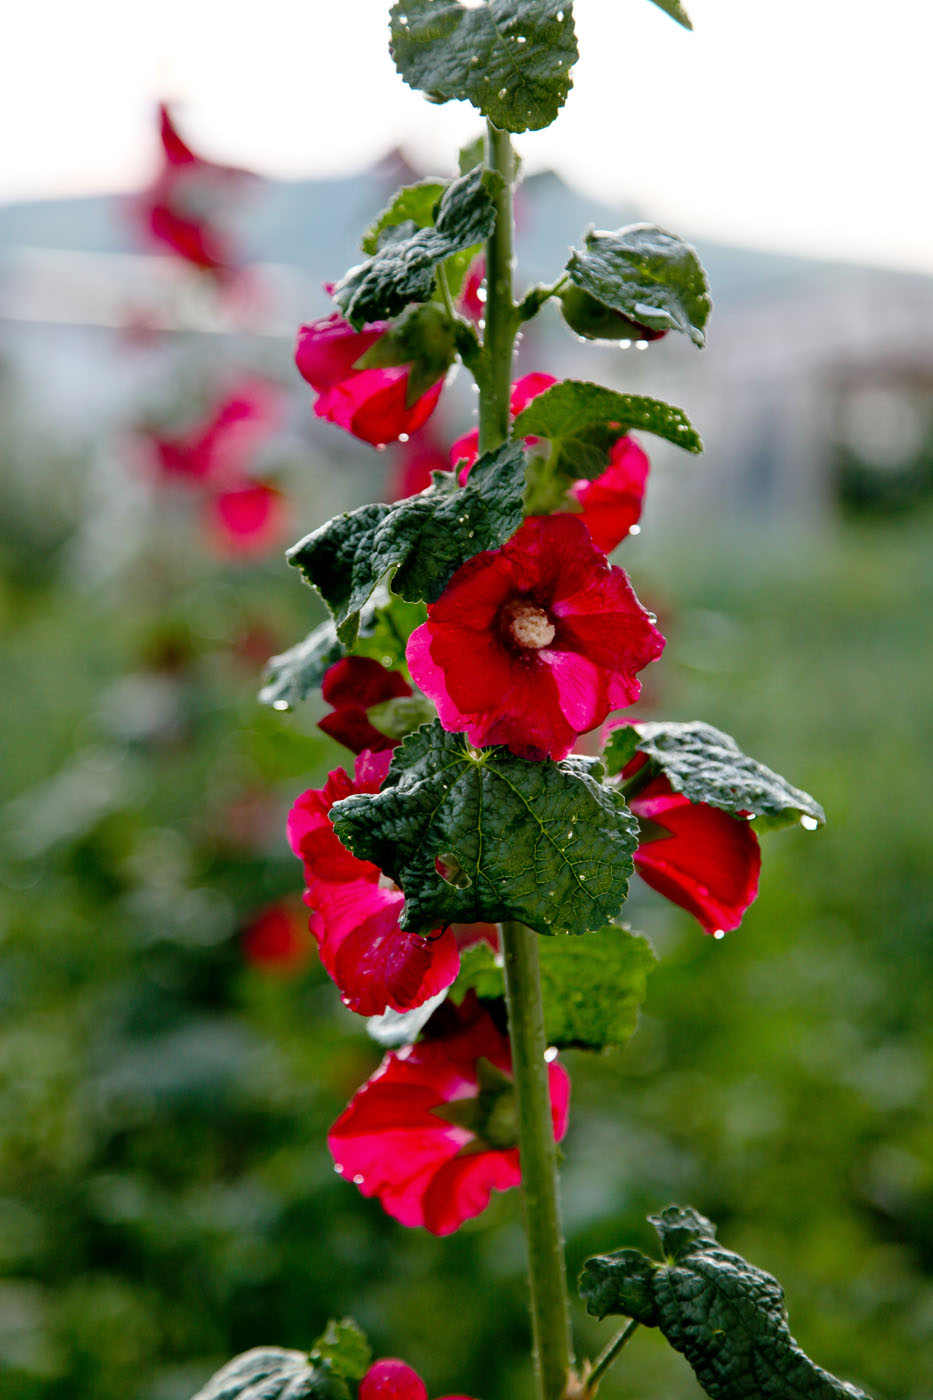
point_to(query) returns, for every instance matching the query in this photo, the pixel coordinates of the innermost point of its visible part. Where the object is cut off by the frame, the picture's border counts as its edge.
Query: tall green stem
(550, 1317)
(501, 319)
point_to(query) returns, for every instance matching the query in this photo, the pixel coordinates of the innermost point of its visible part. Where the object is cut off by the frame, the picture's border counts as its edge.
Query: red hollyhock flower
(472, 299)
(179, 208)
(392, 1379)
(245, 521)
(698, 856)
(276, 940)
(534, 643)
(356, 911)
(369, 403)
(352, 685)
(217, 448)
(432, 1133)
(612, 503)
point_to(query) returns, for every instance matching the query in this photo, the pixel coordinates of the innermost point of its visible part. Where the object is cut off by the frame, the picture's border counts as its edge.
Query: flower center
(529, 626)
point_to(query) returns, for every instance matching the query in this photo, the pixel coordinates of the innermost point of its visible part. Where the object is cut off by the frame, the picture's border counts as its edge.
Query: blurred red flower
(391, 1379)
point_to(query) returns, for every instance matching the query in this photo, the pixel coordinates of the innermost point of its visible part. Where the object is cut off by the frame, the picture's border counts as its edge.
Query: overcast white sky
(803, 125)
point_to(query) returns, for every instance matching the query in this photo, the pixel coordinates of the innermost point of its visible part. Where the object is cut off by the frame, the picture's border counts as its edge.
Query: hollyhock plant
(535, 643)
(355, 911)
(391, 1379)
(369, 403)
(698, 856)
(433, 1132)
(352, 685)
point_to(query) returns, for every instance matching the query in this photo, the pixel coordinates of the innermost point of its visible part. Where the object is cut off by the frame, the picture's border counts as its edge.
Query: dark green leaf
(582, 421)
(708, 766)
(291, 676)
(422, 337)
(271, 1373)
(675, 10)
(543, 843)
(720, 1312)
(413, 204)
(650, 276)
(404, 268)
(510, 58)
(417, 543)
(591, 987)
(344, 1348)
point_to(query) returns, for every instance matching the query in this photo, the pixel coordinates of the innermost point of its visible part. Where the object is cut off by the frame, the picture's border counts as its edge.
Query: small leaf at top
(272, 1373)
(510, 58)
(675, 10)
(343, 1346)
(650, 276)
(412, 204)
(720, 1312)
(708, 766)
(404, 267)
(582, 421)
(543, 843)
(415, 544)
(591, 986)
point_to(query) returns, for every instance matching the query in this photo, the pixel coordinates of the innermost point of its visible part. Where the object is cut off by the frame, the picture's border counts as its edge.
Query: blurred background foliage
(168, 1074)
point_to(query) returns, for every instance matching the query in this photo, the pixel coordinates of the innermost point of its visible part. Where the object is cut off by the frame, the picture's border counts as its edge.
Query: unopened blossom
(433, 1132)
(352, 686)
(701, 858)
(369, 403)
(391, 1379)
(355, 909)
(534, 643)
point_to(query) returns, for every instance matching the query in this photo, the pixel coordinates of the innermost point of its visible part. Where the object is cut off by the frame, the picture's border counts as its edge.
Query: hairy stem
(550, 1316)
(501, 320)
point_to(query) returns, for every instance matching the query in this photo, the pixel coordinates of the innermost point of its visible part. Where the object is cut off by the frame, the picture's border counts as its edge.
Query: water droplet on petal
(403, 437)
(338, 1169)
(358, 1179)
(550, 1053)
(634, 529)
(719, 933)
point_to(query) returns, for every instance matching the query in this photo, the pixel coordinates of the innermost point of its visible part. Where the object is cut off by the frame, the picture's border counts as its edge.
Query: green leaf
(708, 766)
(422, 337)
(544, 843)
(675, 10)
(292, 675)
(591, 987)
(271, 1373)
(404, 268)
(413, 204)
(416, 544)
(386, 623)
(510, 58)
(720, 1312)
(344, 1348)
(650, 276)
(582, 421)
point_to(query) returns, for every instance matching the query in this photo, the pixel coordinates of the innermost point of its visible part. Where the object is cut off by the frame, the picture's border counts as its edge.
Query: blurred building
(814, 391)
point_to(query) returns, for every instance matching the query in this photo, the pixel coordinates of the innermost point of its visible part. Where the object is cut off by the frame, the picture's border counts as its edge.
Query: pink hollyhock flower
(352, 685)
(245, 521)
(465, 450)
(611, 504)
(218, 448)
(432, 1133)
(534, 643)
(472, 299)
(392, 1379)
(276, 940)
(355, 911)
(369, 403)
(698, 856)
